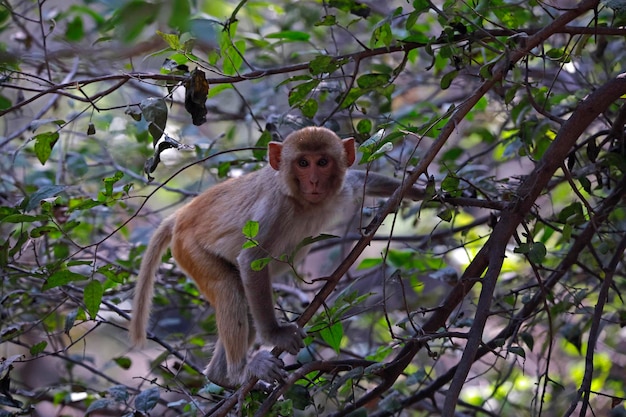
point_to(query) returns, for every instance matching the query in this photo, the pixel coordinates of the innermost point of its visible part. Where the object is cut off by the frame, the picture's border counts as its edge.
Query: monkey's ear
(350, 150)
(274, 150)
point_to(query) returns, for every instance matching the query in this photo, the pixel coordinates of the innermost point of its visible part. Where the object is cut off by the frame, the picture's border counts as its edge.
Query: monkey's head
(312, 163)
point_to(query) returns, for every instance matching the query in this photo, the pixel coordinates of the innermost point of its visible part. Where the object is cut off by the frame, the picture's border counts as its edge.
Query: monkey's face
(316, 176)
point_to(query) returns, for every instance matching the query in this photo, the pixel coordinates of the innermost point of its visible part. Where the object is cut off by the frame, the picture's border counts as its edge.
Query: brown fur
(293, 197)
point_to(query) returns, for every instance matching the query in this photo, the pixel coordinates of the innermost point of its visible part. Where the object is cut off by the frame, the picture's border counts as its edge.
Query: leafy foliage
(499, 294)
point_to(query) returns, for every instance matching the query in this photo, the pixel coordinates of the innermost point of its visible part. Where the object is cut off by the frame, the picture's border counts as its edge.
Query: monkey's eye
(322, 162)
(303, 163)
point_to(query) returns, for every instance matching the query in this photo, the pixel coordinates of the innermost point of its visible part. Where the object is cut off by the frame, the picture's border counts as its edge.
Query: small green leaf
(61, 278)
(446, 80)
(300, 92)
(322, 64)
(445, 215)
(5, 103)
(119, 393)
(70, 319)
(147, 400)
(528, 339)
(309, 108)
(327, 20)
(154, 110)
(233, 57)
(370, 81)
(537, 253)
(364, 126)
(370, 263)
(250, 229)
(290, 35)
(333, 335)
(99, 404)
(92, 296)
(37, 348)
(171, 39)
(180, 12)
(266, 137)
(123, 362)
(43, 193)
(44, 142)
(110, 181)
(23, 218)
(309, 240)
(450, 185)
(259, 264)
(299, 396)
(517, 350)
(75, 31)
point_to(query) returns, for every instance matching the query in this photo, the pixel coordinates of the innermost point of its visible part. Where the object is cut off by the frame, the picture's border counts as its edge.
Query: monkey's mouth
(314, 197)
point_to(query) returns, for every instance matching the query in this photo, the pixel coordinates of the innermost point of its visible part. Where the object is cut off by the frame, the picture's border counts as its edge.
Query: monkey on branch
(305, 184)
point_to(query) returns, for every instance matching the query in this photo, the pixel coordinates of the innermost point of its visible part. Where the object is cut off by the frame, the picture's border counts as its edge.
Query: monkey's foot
(266, 366)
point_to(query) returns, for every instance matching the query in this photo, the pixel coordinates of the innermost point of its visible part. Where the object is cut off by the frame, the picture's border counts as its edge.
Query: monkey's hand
(287, 337)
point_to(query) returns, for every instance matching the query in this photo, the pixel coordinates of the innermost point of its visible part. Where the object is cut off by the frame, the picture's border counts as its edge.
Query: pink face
(314, 174)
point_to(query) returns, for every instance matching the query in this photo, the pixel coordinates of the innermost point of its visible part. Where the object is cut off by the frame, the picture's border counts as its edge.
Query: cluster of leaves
(510, 115)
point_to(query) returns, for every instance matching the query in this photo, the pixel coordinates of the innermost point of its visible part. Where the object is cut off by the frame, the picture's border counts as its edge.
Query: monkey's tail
(144, 289)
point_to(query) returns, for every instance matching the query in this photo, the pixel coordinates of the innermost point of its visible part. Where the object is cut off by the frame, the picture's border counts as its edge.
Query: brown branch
(530, 308)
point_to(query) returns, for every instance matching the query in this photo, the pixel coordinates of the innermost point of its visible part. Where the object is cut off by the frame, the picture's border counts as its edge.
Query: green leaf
(5, 103)
(171, 39)
(309, 240)
(370, 81)
(119, 393)
(300, 92)
(62, 277)
(309, 108)
(250, 229)
(322, 64)
(99, 404)
(333, 335)
(327, 20)
(233, 57)
(147, 400)
(70, 319)
(44, 142)
(290, 35)
(517, 350)
(42, 230)
(154, 110)
(352, 6)
(123, 362)
(446, 215)
(259, 264)
(23, 218)
(446, 80)
(364, 126)
(216, 89)
(572, 214)
(369, 263)
(45, 192)
(537, 253)
(92, 296)
(266, 137)
(110, 181)
(133, 17)
(37, 348)
(179, 14)
(299, 396)
(450, 185)
(75, 31)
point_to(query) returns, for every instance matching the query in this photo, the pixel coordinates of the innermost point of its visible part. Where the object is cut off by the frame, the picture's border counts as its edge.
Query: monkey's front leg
(258, 289)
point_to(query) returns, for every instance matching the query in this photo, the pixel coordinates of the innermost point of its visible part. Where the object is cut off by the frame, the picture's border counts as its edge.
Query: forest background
(500, 294)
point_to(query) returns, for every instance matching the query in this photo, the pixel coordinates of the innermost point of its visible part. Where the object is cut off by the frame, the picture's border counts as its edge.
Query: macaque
(306, 183)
